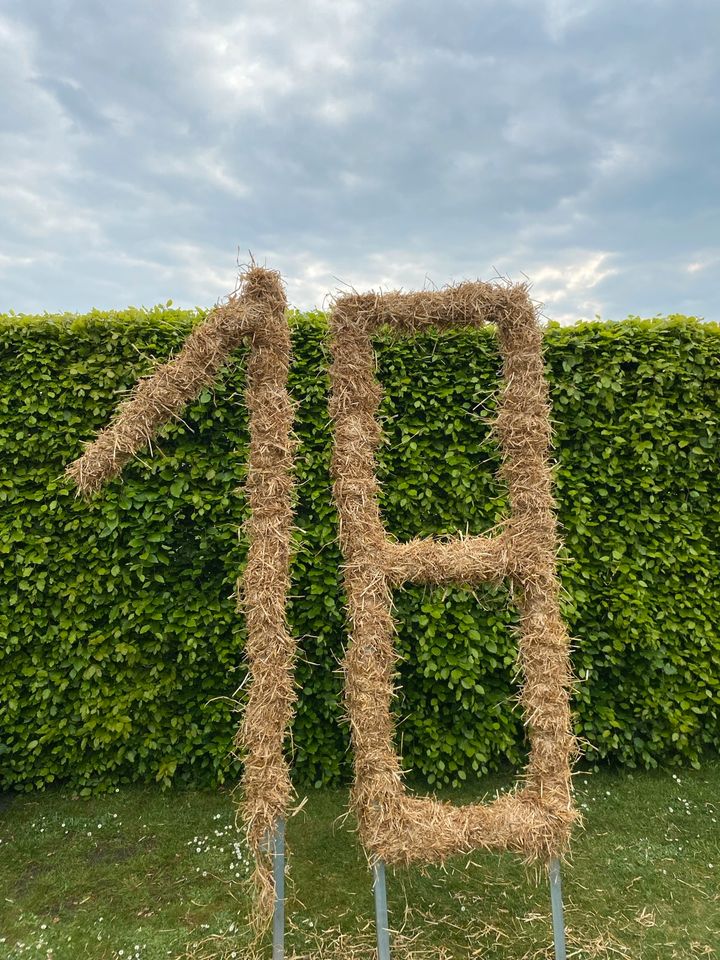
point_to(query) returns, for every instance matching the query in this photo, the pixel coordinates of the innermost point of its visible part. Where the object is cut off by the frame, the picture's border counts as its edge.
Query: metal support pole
(557, 909)
(278, 855)
(381, 911)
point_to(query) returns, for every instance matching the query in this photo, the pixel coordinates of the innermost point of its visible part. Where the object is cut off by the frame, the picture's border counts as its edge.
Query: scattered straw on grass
(523, 938)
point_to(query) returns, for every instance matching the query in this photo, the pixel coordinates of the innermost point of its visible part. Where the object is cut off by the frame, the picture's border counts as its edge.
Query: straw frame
(536, 818)
(255, 313)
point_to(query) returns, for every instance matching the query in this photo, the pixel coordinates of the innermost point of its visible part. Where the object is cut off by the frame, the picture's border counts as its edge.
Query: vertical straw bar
(278, 853)
(381, 912)
(557, 909)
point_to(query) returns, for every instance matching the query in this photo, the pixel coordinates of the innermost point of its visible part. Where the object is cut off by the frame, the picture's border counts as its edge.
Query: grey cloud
(575, 143)
(75, 102)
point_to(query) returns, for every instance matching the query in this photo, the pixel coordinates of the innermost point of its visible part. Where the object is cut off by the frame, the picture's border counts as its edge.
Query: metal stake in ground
(381, 911)
(557, 909)
(278, 857)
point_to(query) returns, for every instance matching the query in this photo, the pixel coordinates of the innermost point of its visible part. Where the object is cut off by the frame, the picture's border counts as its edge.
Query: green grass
(142, 873)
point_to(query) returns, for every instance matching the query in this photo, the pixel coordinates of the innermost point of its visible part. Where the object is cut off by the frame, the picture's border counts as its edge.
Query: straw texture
(266, 788)
(536, 818)
(256, 311)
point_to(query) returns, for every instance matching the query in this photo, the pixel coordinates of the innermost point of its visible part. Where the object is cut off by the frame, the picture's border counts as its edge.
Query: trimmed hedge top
(120, 649)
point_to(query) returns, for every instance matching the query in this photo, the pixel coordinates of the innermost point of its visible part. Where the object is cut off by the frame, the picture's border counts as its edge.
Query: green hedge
(120, 651)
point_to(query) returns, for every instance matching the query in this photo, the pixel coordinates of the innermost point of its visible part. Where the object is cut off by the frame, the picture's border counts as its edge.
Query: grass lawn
(146, 874)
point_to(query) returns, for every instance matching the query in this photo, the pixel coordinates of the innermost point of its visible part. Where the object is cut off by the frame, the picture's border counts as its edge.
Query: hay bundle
(257, 312)
(535, 819)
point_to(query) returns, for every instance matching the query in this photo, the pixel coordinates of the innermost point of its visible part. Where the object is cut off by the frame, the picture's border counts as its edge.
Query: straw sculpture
(256, 312)
(535, 819)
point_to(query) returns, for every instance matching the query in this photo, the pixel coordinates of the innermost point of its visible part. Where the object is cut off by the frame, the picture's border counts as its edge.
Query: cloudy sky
(145, 147)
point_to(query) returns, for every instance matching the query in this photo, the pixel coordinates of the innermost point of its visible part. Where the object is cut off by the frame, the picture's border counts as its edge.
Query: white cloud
(702, 261)
(203, 166)
(563, 287)
(253, 61)
(559, 16)
(562, 15)
(206, 274)
(585, 272)
(8, 262)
